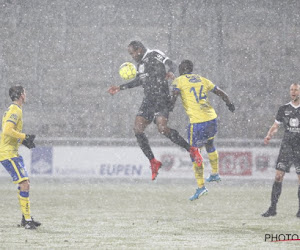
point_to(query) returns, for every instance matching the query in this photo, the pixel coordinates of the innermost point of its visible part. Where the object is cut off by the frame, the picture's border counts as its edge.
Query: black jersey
(151, 75)
(289, 116)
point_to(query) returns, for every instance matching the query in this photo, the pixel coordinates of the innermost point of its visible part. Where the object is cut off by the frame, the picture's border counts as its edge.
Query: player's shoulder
(14, 109)
(156, 55)
(285, 107)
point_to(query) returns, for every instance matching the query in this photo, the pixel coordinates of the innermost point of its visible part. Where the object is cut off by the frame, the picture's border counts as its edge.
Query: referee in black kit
(289, 116)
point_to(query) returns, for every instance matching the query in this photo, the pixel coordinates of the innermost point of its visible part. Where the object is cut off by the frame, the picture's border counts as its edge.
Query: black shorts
(150, 109)
(289, 155)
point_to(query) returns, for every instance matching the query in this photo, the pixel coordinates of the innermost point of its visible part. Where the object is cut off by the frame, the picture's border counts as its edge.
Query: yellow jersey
(193, 90)
(12, 122)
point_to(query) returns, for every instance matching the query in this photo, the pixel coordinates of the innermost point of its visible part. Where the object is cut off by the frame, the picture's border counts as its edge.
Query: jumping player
(11, 138)
(193, 90)
(289, 116)
(152, 75)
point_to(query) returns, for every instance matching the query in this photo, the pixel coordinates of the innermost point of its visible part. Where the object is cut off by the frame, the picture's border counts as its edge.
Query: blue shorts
(15, 167)
(200, 133)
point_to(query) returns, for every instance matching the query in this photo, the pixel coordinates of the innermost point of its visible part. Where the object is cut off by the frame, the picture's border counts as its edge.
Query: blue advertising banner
(42, 161)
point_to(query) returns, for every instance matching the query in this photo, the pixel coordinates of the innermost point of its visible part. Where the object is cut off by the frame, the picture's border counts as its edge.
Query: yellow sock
(25, 204)
(214, 161)
(199, 174)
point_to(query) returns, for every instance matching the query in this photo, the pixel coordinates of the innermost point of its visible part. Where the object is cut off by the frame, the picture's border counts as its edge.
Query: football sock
(25, 204)
(175, 137)
(199, 174)
(276, 191)
(144, 145)
(214, 161)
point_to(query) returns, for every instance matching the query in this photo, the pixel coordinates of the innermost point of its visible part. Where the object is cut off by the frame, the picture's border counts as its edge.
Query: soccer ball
(127, 71)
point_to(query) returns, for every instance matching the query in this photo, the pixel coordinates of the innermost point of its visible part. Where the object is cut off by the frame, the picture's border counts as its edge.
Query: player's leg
(175, 137)
(172, 134)
(195, 140)
(139, 127)
(213, 157)
(297, 166)
(142, 120)
(24, 199)
(15, 166)
(199, 175)
(283, 166)
(206, 134)
(275, 194)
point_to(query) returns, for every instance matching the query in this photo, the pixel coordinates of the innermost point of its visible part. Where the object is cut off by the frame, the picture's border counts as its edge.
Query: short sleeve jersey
(289, 116)
(152, 74)
(194, 91)
(8, 145)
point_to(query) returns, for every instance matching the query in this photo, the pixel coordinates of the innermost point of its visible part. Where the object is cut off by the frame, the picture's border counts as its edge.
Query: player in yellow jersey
(11, 138)
(194, 90)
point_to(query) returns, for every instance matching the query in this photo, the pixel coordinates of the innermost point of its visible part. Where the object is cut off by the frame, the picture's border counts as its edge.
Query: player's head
(137, 50)
(17, 93)
(295, 91)
(185, 67)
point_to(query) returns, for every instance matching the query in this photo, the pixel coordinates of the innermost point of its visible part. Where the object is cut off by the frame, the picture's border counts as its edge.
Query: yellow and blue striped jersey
(193, 90)
(10, 142)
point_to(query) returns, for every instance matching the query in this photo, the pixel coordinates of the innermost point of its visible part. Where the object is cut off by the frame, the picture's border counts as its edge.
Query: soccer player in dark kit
(153, 75)
(289, 116)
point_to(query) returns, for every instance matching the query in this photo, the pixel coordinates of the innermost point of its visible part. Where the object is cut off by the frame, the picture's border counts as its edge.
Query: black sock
(276, 191)
(175, 137)
(144, 145)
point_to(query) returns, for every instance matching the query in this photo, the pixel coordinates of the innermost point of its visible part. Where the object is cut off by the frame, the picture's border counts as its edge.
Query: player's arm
(219, 92)
(134, 83)
(9, 129)
(171, 69)
(174, 95)
(273, 130)
(27, 140)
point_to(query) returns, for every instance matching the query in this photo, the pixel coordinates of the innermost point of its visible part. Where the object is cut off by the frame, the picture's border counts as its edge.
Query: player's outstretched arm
(134, 83)
(273, 130)
(225, 98)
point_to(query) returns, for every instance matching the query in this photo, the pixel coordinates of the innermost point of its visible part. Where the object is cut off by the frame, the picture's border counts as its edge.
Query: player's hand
(113, 90)
(28, 141)
(170, 76)
(267, 139)
(230, 106)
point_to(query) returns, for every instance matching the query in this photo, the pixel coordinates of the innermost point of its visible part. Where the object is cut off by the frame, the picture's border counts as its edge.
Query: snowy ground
(114, 214)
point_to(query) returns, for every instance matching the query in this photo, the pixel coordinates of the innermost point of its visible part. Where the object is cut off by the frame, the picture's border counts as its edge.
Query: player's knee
(24, 186)
(164, 130)
(209, 146)
(137, 130)
(279, 176)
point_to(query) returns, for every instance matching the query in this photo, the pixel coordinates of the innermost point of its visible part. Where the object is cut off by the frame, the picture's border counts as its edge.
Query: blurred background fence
(67, 53)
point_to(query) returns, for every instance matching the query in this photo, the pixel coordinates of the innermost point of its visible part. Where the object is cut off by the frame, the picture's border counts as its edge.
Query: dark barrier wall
(67, 53)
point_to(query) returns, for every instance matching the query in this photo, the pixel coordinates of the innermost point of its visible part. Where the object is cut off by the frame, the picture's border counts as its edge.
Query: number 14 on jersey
(201, 95)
